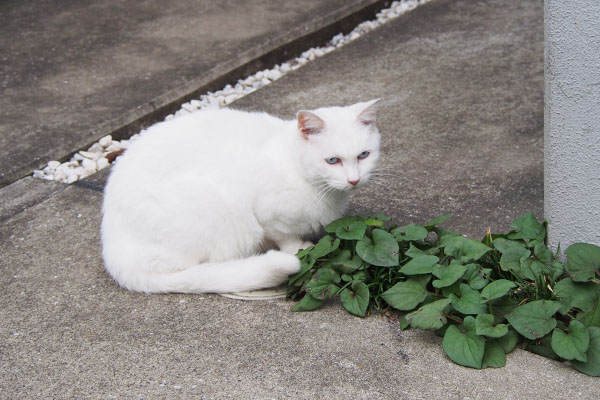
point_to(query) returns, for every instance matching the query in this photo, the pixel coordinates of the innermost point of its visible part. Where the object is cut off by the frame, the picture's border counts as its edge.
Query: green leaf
(543, 254)
(404, 324)
(374, 222)
(512, 258)
(322, 285)
(340, 223)
(592, 317)
(592, 365)
(464, 348)
(583, 262)
(431, 224)
(509, 341)
(496, 289)
(527, 227)
(581, 295)
(485, 326)
(354, 230)
(308, 303)
(543, 348)
(345, 263)
(419, 265)
(410, 232)
(494, 355)
(503, 245)
(448, 275)
(298, 277)
(534, 319)
(429, 316)
(476, 276)
(405, 295)
(356, 300)
(327, 244)
(469, 301)
(463, 249)
(382, 250)
(573, 344)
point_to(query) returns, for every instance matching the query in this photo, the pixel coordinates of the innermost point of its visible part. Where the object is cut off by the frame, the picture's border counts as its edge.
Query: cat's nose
(353, 182)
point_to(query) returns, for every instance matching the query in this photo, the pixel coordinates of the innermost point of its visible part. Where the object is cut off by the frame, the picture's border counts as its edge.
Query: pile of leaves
(483, 297)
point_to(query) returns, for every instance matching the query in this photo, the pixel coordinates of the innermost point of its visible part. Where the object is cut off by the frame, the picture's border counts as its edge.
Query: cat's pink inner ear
(309, 124)
(368, 115)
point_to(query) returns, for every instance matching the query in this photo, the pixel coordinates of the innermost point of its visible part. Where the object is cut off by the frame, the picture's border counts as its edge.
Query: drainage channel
(101, 154)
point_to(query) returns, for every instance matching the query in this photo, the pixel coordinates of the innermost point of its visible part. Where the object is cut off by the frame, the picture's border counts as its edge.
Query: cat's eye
(332, 160)
(363, 155)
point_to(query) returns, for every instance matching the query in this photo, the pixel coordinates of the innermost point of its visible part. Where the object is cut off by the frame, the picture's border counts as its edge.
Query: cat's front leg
(292, 245)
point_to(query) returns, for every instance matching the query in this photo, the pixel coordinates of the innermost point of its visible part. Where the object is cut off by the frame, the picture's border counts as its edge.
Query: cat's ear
(369, 112)
(309, 124)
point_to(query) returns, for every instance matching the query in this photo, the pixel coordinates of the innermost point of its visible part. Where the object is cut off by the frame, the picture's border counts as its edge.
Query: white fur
(194, 203)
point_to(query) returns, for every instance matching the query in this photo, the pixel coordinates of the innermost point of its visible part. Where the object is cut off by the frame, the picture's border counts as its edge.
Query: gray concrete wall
(572, 121)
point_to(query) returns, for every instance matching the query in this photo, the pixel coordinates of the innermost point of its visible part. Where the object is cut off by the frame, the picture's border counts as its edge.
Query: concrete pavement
(72, 72)
(461, 84)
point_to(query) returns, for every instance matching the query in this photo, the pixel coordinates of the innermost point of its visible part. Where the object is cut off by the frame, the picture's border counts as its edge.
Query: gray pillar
(572, 121)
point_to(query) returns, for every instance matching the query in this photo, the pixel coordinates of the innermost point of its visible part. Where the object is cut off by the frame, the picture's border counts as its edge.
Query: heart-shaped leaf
(572, 344)
(583, 261)
(463, 249)
(504, 245)
(592, 365)
(322, 285)
(345, 263)
(494, 355)
(429, 316)
(351, 230)
(382, 250)
(422, 264)
(509, 341)
(464, 348)
(581, 295)
(496, 289)
(512, 259)
(592, 317)
(469, 301)
(485, 326)
(308, 303)
(356, 299)
(534, 319)
(327, 244)
(409, 232)
(527, 227)
(476, 276)
(431, 224)
(405, 295)
(448, 275)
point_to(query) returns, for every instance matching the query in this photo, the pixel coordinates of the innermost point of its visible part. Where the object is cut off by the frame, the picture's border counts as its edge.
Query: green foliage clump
(483, 297)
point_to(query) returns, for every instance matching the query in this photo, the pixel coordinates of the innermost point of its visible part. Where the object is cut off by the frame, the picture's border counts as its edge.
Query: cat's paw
(283, 263)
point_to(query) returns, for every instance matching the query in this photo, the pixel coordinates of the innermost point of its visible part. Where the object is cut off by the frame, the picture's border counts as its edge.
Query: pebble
(102, 163)
(89, 155)
(87, 162)
(96, 148)
(89, 165)
(105, 141)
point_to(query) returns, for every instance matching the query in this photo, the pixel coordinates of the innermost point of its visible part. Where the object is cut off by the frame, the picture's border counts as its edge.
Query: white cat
(193, 203)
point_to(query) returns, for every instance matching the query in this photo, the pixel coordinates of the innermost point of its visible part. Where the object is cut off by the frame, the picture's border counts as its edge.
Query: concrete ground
(461, 84)
(74, 71)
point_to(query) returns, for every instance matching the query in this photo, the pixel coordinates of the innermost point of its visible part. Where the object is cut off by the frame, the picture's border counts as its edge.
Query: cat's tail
(257, 272)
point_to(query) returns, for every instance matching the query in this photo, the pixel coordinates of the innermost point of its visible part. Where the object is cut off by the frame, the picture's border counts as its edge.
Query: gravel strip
(102, 153)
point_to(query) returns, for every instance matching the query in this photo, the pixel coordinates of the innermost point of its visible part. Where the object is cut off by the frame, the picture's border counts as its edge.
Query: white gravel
(85, 163)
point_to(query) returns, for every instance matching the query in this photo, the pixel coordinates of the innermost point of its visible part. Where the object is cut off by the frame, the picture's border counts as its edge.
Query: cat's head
(340, 145)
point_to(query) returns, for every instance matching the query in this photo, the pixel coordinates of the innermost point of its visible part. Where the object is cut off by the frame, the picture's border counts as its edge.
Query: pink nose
(353, 183)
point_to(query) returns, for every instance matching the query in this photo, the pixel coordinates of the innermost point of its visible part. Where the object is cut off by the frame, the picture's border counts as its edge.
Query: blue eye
(363, 155)
(332, 160)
